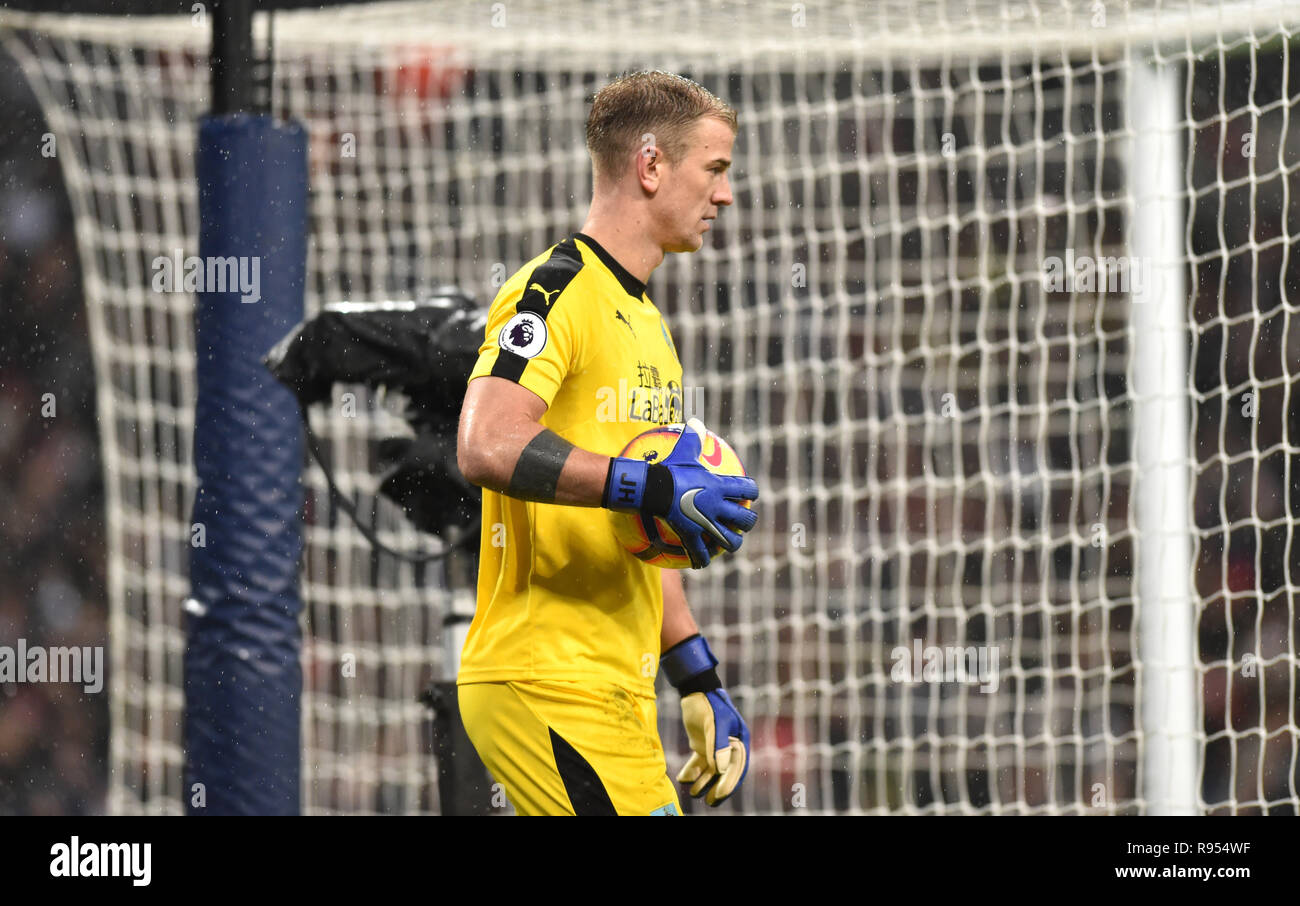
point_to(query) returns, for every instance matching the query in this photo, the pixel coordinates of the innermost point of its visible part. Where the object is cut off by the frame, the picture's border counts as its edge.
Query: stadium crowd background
(53, 736)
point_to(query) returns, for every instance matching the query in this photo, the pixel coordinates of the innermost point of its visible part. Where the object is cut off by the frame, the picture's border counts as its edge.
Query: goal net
(1000, 322)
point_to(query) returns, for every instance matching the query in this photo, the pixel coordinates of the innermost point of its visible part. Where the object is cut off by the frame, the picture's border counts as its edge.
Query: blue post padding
(243, 678)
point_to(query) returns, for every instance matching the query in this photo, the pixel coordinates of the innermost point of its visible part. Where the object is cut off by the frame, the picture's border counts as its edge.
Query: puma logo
(620, 316)
(545, 294)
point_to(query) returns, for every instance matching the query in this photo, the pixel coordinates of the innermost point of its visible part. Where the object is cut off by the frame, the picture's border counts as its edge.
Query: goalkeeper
(558, 670)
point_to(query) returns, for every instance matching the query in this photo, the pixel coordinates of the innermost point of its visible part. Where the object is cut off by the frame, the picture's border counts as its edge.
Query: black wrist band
(701, 682)
(658, 497)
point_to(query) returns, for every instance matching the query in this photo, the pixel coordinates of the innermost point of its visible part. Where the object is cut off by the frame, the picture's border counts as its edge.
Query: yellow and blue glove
(701, 507)
(718, 736)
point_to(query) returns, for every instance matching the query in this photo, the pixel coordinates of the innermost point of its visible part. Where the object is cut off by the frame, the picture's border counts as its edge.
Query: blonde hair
(659, 103)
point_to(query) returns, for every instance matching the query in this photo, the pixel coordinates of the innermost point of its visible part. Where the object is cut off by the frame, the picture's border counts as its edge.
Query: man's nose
(723, 194)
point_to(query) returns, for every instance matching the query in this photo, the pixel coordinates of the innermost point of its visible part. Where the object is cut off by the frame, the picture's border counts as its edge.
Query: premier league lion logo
(524, 335)
(521, 334)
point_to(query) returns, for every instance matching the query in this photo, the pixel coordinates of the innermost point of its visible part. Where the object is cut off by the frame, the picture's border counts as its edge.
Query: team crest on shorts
(669, 809)
(524, 334)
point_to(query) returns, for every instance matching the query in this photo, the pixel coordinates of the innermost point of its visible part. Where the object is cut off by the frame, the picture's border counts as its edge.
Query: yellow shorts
(562, 748)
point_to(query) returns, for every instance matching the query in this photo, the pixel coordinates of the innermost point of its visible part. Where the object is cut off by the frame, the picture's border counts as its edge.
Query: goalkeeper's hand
(701, 507)
(717, 733)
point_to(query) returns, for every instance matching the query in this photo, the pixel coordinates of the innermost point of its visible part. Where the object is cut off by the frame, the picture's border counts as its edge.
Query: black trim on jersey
(581, 782)
(509, 365)
(634, 287)
(550, 278)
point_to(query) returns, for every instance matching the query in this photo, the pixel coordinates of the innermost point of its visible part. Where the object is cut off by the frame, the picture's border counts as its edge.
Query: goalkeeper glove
(699, 506)
(718, 736)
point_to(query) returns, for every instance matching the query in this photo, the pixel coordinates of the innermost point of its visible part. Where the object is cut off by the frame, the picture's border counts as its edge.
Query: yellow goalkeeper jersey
(559, 598)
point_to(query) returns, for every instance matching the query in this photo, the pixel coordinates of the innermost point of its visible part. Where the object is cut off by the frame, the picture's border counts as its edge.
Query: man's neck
(627, 242)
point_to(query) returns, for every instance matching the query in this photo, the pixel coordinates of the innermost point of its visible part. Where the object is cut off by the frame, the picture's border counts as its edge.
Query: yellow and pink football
(650, 538)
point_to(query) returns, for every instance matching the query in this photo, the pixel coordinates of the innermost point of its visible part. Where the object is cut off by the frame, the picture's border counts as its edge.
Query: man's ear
(649, 164)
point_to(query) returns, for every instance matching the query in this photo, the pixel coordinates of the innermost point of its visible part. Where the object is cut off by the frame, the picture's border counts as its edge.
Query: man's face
(695, 187)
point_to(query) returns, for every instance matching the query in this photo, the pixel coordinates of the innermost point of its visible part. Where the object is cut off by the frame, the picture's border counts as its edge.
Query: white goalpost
(982, 322)
(1163, 512)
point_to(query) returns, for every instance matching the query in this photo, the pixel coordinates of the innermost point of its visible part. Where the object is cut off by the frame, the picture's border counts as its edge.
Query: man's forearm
(679, 622)
(540, 465)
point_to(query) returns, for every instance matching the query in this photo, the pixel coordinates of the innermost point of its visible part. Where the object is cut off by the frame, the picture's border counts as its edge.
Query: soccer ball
(650, 538)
